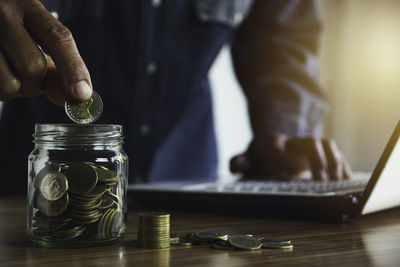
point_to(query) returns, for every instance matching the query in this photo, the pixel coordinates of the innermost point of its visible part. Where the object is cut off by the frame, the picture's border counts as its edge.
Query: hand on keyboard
(285, 156)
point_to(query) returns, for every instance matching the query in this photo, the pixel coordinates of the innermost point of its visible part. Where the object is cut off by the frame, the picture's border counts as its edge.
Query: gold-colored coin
(245, 242)
(82, 178)
(117, 223)
(153, 218)
(152, 214)
(173, 238)
(41, 217)
(47, 228)
(52, 208)
(275, 240)
(107, 176)
(102, 167)
(276, 245)
(84, 112)
(102, 221)
(97, 191)
(84, 198)
(154, 229)
(83, 207)
(156, 246)
(222, 244)
(53, 185)
(54, 166)
(86, 221)
(68, 233)
(84, 214)
(107, 202)
(183, 242)
(211, 235)
(107, 222)
(110, 222)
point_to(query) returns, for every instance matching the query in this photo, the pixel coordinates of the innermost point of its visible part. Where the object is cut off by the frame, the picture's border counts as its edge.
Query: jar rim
(78, 134)
(82, 128)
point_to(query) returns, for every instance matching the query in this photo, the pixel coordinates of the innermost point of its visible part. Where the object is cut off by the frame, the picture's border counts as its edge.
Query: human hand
(38, 54)
(281, 156)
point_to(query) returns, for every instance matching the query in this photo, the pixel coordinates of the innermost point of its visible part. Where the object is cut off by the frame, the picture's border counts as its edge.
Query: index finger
(58, 42)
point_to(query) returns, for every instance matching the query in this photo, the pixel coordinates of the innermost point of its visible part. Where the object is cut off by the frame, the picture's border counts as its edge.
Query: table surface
(372, 240)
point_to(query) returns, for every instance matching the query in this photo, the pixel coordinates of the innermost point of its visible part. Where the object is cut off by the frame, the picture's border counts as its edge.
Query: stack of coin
(154, 230)
(46, 226)
(110, 223)
(85, 193)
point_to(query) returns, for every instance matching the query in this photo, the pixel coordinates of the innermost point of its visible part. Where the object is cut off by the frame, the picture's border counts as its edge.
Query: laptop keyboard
(358, 182)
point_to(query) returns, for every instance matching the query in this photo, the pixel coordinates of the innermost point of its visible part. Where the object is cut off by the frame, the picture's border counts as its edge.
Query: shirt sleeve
(274, 56)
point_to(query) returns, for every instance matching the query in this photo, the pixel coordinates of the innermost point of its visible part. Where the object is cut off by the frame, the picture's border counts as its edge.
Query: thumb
(58, 42)
(240, 163)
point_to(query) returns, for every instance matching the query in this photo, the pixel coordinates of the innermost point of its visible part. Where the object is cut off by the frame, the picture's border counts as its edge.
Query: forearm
(274, 54)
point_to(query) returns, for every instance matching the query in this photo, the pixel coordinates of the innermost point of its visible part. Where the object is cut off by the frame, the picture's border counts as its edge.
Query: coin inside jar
(84, 112)
(82, 178)
(53, 185)
(52, 208)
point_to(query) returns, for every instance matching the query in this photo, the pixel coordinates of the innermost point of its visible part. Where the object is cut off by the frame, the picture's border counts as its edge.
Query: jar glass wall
(77, 181)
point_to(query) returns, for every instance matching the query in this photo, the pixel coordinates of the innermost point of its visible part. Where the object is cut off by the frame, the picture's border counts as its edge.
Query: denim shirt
(149, 60)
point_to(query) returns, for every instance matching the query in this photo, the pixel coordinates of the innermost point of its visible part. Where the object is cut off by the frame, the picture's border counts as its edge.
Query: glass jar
(77, 181)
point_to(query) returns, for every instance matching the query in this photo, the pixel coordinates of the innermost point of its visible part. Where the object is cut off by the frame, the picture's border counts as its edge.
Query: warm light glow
(380, 48)
(360, 57)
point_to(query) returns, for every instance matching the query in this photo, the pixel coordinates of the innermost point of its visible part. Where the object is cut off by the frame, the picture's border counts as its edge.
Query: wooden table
(372, 240)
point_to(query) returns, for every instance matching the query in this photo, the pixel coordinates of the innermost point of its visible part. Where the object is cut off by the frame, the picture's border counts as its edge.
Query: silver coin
(84, 112)
(53, 185)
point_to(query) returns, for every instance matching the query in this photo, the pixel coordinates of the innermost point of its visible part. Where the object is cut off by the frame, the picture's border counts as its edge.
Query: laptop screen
(383, 190)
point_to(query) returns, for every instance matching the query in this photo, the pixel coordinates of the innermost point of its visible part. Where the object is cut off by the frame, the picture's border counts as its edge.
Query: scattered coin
(245, 242)
(276, 245)
(222, 244)
(173, 238)
(209, 236)
(183, 242)
(84, 112)
(275, 240)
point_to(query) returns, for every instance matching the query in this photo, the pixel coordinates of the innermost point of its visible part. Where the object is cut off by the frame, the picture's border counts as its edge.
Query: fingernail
(82, 91)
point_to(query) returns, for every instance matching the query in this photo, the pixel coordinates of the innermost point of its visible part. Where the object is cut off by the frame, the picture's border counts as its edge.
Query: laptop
(363, 194)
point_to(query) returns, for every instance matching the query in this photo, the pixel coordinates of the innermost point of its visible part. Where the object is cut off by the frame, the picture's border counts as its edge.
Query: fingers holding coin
(27, 30)
(9, 82)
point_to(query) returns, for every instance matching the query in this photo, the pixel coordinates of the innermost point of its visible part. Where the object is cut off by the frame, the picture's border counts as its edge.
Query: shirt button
(151, 68)
(238, 17)
(55, 14)
(145, 129)
(156, 3)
